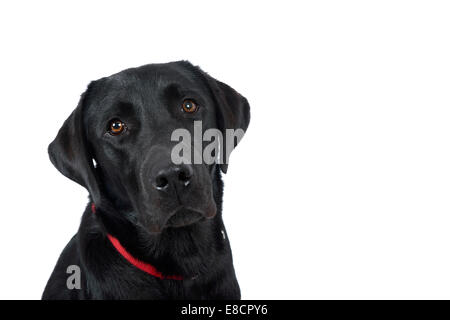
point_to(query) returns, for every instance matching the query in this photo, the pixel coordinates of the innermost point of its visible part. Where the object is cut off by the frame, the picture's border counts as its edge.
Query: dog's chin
(183, 216)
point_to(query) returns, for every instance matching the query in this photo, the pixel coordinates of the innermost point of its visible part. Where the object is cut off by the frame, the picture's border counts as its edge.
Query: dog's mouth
(180, 216)
(184, 217)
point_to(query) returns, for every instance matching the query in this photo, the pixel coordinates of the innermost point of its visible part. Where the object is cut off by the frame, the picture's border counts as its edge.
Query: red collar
(146, 267)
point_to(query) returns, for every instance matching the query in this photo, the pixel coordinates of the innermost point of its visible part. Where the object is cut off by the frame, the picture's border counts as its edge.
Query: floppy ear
(69, 152)
(233, 112)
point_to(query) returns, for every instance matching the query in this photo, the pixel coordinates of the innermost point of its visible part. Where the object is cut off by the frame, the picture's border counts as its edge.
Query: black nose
(173, 176)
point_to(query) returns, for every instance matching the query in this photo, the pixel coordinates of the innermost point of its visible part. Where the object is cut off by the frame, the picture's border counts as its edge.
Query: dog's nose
(173, 176)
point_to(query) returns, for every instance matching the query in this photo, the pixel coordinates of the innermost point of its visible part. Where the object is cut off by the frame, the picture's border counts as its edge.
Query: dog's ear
(70, 154)
(233, 112)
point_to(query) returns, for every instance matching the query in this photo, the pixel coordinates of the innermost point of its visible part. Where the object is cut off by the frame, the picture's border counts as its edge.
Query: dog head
(119, 142)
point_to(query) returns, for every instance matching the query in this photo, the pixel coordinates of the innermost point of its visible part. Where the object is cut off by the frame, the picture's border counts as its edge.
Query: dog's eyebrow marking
(172, 90)
(177, 91)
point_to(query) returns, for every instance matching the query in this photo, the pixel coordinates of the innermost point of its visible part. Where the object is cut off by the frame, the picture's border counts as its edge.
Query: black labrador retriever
(153, 228)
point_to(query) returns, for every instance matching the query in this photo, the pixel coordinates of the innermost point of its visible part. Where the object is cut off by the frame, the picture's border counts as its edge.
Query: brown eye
(116, 127)
(189, 106)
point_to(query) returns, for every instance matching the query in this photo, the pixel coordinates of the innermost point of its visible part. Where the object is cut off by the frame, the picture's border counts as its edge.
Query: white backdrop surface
(340, 188)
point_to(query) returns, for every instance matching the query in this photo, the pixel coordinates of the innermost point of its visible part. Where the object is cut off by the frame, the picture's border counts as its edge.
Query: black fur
(148, 100)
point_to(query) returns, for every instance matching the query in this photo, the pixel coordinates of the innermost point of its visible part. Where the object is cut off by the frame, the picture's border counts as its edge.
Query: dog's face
(124, 123)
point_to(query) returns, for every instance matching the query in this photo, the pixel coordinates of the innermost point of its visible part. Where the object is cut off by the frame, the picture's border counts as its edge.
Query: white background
(340, 188)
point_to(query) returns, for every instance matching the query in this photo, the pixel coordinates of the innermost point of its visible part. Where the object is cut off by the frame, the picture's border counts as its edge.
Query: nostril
(184, 177)
(161, 182)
